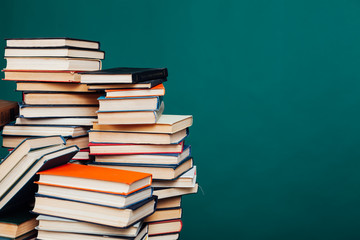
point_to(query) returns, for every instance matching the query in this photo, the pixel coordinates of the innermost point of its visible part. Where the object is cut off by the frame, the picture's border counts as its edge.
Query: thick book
(27, 236)
(165, 227)
(169, 203)
(46, 130)
(108, 216)
(166, 124)
(169, 159)
(158, 171)
(129, 104)
(164, 214)
(51, 87)
(34, 98)
(58, 64)
(185, 180)
(123, 75)
(41, 76)
(8, 111)
(95, 178)
(56, 224)
(17, 223)
(174, 192)
(63, 52)
(143, 85)
(57, 111)
(130, 117)
(23, 190)
(66, 121)
(52, 42)
(116, 149)
(97, 136)
(158, 90)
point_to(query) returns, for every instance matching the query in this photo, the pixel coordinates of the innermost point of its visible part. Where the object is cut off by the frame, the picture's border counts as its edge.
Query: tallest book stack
(54, 100)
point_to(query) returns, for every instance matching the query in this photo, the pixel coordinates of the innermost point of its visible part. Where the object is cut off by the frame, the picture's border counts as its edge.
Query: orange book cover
(160, 86)
(97, 173)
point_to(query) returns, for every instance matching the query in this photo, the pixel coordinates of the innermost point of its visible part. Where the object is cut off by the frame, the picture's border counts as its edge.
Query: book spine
(8, 115)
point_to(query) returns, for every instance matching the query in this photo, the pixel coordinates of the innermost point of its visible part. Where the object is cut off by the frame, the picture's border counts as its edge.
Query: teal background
(274, 87)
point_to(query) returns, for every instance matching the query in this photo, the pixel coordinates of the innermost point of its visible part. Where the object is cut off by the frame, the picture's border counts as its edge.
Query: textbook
(164, 214)
(158, 171)
(158, 90)
(166, 124)
(38, 130)
(51, 42)
(115, 149)
(55, 111)
(130, 104)
(41, 76)
(166, 158)
(143, 85)
(61, 98)
(130, 117)
(65, 121)
(123, 75)
(23, 190)
(64, 52)
(108, 216)
(8, 110)
(174, 192)
(60, 64)
(57, 224)
(51, 87)
(186, 180)
(97, 136)
(17, 223)
(95, 178)
(165, 227)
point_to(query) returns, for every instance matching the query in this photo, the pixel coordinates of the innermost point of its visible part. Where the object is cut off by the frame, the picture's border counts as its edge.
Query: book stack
(54, 100)
(89, 202)
(132, 134)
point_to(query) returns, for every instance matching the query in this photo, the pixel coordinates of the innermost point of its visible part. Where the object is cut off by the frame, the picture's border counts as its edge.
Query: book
(64, 52)
(158, 90)
(8, 111)
(174, 192)
(12, 141)
(17, 223)
(52, 42)
(164, 214)
(170, 236)
(60, 64)
(164, 227)
(27, 236)
(43, 234)
(130, 117)
(23, 190)
(158, 171)
(38, 130)
(186, 180)
(97, 136)
(41, 76)
(57, 224)
(169, 159)
(95, 178)
(61, 98)
(83, 154)
(165, 124)
(56, 111)
(52, 87)
(123, 75)
(23, 148)
(116, 149)
(66, 121)
(168, 203)
(129, 104)
(143, 85)
(94, 197)
(108, 216)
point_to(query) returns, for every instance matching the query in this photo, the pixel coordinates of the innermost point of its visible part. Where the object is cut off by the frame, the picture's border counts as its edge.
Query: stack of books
(54, 101)
(89, 202)
(132, 134)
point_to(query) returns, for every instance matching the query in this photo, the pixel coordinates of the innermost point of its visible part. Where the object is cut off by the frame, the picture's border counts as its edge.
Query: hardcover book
(143, 85)
(52, 87)
(8, 111)
(41, 76)
(174, 192)
(130, 104)
(17, 223)
(158, 90)
(34, 98)
(52, 42)
(57, 111)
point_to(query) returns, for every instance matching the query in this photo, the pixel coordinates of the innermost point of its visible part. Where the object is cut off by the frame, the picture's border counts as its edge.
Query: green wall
(274, 87)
